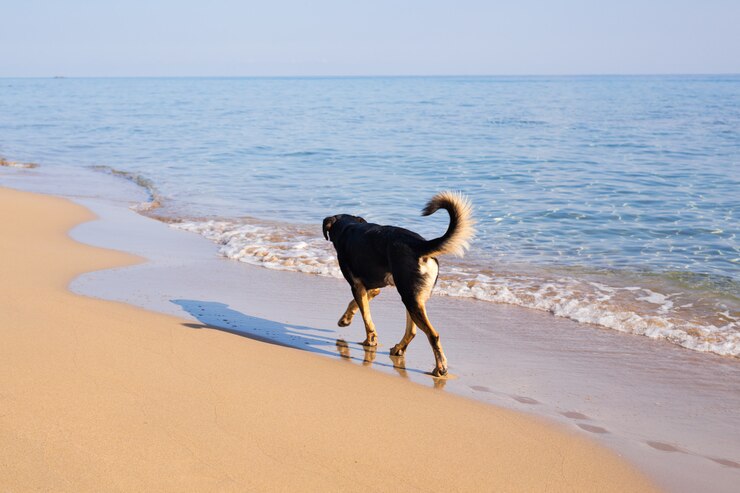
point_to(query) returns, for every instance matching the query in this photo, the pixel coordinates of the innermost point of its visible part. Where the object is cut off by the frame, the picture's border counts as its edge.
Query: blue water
(618, 194)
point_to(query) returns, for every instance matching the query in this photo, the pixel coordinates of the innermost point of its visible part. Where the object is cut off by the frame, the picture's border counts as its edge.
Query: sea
(609, 200)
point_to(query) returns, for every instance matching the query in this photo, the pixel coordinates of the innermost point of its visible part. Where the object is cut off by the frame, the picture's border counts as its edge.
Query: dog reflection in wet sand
(372, 257)
(399, 362)
(343, 349)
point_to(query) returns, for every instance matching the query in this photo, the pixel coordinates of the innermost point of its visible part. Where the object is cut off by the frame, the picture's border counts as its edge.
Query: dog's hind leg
(419, 315)
(362, 297)
(352, 308)
(400, 348)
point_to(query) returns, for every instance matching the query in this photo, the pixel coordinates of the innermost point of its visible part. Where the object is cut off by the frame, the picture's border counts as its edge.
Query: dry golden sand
(100, 396)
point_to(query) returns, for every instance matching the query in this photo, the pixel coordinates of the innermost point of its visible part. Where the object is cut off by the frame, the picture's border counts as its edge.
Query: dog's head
(334, 224)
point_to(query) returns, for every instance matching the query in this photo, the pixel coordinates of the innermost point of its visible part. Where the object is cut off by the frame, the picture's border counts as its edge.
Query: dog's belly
(378, 281)
(375, 280)
(370, 268)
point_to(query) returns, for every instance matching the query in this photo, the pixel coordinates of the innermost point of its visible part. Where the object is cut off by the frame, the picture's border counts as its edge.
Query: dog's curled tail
(456, 239)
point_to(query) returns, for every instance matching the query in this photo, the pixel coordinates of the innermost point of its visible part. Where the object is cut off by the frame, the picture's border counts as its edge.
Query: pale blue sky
(374, 37)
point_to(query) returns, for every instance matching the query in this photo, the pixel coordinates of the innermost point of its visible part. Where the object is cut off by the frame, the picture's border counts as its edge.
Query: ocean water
(608, 200)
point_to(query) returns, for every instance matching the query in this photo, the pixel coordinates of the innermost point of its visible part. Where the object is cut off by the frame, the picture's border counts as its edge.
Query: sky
(372, 37)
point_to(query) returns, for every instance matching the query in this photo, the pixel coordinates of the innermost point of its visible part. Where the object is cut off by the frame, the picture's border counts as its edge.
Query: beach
(102, 395)
(195, 198)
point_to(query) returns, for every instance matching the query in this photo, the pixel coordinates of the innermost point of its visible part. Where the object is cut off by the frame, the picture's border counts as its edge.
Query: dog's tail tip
(448, 199)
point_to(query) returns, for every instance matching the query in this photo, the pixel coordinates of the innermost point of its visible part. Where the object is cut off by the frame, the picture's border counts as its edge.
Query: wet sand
(99, 395)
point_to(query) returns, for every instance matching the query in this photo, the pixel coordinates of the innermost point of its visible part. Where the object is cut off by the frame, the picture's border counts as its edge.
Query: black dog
(373, 256)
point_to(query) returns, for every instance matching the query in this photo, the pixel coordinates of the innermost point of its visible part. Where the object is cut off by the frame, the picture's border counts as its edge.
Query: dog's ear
(359, 219)
(328, 223)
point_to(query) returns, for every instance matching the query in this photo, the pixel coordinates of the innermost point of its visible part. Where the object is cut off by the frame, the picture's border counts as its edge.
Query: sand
(99, 395)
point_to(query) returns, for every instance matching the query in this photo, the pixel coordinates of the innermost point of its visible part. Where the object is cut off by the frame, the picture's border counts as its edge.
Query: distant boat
(59, 77)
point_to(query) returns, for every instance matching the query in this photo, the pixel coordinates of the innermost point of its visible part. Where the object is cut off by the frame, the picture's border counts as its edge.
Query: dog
(372, 257)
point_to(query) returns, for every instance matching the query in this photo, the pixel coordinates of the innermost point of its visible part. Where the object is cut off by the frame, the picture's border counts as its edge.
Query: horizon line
(359, 76)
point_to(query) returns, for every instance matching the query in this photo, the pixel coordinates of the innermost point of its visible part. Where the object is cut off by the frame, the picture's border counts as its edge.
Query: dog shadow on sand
(219, 316)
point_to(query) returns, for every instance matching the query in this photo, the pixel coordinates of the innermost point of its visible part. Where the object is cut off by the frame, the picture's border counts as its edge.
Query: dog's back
(353, 232)
(366, 251)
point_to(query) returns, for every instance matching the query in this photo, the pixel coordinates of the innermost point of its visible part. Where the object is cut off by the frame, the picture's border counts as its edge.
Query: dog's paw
(344, 321)
(439, 372)
(397, 350)
(370, 342)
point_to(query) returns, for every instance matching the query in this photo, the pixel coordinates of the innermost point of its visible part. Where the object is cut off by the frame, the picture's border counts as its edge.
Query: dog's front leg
(352, 308)
(363, 302)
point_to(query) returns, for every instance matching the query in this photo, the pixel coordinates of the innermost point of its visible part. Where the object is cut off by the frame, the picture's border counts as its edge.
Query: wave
(15, 164)
(154, 198)
(280, 247)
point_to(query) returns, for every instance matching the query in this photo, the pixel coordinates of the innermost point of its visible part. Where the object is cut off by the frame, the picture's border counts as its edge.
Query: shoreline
(668, 307)
(198, 409)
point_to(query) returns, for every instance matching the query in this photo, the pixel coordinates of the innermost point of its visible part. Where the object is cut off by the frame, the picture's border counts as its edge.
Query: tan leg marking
(363, 302)
(348, 314)
(400, 348)
(419, 315)
(352, 308)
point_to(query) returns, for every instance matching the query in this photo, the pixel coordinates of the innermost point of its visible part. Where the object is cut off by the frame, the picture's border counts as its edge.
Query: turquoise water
(610, 200)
